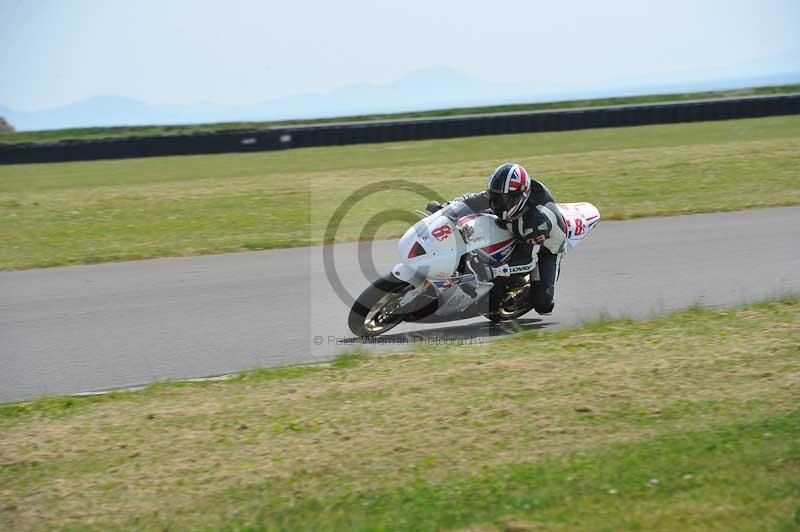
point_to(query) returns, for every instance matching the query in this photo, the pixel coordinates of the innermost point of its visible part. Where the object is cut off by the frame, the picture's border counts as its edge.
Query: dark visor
(502, 202)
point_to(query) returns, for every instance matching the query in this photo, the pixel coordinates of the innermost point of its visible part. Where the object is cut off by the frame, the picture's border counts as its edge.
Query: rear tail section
(580, 218)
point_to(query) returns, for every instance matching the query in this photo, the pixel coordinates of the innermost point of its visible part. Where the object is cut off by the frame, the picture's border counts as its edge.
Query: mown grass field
(689, 422)
(82, 212)
(138, 131)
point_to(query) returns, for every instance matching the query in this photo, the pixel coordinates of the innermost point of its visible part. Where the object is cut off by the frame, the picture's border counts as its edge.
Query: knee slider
(542, 298)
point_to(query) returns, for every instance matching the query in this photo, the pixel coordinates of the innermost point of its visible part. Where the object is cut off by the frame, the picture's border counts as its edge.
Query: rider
(525, 207)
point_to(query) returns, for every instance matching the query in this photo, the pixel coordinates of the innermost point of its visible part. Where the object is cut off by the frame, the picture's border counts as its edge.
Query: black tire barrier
(400, 130)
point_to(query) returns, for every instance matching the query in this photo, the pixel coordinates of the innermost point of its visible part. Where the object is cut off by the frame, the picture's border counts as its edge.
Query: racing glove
(433, 206)
(537, 239)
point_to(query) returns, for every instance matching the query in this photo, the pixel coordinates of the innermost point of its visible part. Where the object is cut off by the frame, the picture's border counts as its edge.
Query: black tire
(370, 299)
(497, 317)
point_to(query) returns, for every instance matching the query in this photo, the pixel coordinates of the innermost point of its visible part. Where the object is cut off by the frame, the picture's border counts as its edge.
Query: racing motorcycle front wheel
(378, 309)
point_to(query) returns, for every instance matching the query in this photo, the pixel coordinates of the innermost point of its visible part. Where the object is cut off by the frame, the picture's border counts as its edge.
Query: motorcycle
(450, 260)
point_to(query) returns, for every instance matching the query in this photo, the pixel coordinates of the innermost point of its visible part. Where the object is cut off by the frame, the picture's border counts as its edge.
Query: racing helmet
(509, 188)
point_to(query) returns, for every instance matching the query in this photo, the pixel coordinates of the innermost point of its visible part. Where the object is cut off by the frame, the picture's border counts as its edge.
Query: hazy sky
(54, 52)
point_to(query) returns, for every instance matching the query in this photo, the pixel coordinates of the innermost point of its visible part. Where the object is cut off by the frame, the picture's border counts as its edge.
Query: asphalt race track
(85, 328)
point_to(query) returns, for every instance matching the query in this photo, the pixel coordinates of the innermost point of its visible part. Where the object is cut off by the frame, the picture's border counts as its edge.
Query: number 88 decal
(442, 232)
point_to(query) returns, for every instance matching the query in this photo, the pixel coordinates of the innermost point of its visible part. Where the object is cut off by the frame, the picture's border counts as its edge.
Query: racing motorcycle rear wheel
(514, 303)
(377, 309)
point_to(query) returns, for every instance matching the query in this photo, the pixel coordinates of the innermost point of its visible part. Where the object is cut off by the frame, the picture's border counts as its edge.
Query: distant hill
(5, 127)
(433, 88)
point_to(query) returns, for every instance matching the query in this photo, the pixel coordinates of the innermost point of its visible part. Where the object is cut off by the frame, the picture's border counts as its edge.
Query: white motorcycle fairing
(430, 248)
(580, 218)
(481, 234)
(433, 251)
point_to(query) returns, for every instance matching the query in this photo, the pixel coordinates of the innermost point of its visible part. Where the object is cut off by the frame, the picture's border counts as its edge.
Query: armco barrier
(398, 130)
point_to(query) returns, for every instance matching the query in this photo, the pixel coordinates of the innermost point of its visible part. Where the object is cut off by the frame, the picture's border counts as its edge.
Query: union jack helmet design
(508, 188)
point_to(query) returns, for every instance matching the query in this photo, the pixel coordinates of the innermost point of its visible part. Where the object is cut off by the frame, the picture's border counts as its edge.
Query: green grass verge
(691, 421)
(83, 212)
(138, 131)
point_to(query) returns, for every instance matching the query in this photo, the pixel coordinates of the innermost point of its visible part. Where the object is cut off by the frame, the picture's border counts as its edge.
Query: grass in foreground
(70, 213)
(138, 131)
(691, 421)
